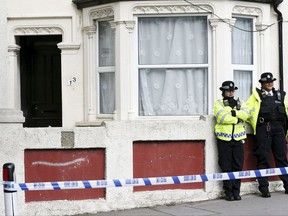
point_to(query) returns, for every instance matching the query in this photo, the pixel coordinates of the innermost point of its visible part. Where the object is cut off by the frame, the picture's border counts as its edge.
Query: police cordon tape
(86, 184)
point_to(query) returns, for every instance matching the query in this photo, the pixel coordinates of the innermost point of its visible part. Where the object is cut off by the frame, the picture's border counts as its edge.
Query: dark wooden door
(40, 68)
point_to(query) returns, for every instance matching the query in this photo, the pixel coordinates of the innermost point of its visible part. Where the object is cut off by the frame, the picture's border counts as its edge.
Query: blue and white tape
(86, 184)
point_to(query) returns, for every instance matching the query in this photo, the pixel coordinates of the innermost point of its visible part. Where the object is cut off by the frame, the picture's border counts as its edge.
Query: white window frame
(99, 70)
(208, 66)
(253, 66)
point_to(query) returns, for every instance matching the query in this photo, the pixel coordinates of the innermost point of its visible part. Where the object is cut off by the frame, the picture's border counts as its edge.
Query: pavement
(252, 204)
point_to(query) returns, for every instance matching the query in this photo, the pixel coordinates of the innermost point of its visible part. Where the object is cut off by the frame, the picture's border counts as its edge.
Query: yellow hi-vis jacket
(253, 104)
(228, 126)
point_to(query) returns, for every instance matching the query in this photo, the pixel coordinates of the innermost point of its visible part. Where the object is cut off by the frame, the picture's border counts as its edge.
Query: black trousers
(231, 159)
(270, 138)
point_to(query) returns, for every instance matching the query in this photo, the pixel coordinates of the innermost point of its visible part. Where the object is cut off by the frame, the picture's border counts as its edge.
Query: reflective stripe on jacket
(228, 126)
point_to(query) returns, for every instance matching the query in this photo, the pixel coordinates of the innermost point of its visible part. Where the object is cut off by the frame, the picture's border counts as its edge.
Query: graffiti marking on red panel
(46, 163)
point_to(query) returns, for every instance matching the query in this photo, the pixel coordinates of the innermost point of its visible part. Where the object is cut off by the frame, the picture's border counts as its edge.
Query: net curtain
(164, 44)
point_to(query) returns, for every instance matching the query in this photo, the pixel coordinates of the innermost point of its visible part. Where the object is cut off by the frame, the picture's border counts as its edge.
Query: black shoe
(266, 194)
(237, 197)
(229, 198)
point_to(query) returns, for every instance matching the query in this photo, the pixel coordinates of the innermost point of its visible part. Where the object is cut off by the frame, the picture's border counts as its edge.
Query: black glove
(233, 113)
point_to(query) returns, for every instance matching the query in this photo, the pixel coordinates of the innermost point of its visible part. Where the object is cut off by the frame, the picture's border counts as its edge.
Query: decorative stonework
(69, 46)
(13, 48)
(243, 10)
(89, 30)
(101, 13)
(128, 24)
(38, 30)
(261, 27)
(171, 9)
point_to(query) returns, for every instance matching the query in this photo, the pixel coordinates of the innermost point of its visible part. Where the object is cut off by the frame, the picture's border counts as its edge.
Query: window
(173, 66)
(243, 56)
(106, 68)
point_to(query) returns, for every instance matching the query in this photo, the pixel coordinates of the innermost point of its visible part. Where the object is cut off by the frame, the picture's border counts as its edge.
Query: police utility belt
(261, 120)
(268, 124)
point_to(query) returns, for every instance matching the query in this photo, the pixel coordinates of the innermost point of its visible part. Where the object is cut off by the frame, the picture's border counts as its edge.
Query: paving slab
(252, 204)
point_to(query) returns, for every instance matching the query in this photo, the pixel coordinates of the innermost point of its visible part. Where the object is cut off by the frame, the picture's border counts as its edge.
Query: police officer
(268, 117)
(230, 132)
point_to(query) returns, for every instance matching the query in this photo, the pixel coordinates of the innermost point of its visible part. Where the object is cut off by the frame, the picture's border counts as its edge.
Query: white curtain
(242, 42)
(243, 80)
(170, 41)
(106, 40)
(107, 93)
(242, 54)
(106, 56)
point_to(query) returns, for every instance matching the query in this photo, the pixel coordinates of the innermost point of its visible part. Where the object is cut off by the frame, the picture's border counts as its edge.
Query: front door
(40, 68)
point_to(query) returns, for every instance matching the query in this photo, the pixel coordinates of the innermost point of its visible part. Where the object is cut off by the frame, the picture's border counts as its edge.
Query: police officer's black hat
(228, 85)
(267, 77)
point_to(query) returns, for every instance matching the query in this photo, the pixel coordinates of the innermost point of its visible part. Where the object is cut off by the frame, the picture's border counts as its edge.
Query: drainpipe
(276, 3)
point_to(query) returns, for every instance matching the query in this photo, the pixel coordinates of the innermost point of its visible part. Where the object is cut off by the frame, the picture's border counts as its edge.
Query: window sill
(99, 123)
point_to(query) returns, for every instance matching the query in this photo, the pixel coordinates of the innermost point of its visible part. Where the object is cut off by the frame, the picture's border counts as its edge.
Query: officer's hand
(233, 113)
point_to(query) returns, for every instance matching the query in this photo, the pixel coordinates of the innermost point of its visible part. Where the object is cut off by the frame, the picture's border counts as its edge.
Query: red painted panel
(250, 160)
(64, 165)
(168, 158)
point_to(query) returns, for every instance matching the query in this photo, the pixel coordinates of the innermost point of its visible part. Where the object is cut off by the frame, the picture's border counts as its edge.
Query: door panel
(41, 99)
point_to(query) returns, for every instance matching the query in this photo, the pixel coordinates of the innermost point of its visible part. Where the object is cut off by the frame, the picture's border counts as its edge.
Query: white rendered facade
(116, 132)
